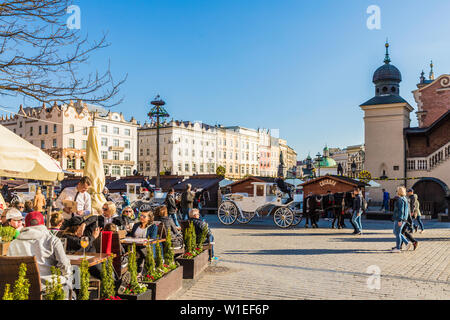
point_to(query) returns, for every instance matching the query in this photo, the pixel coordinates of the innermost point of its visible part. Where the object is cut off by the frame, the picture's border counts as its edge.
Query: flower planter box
(169, 284)
(193, 267)
(4, 248)
(147, 295)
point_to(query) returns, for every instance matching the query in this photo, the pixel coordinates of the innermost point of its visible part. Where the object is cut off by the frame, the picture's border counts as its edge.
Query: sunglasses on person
(104, 209)
(21, 207)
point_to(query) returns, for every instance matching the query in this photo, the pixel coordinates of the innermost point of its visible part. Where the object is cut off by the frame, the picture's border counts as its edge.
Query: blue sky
(302, 67)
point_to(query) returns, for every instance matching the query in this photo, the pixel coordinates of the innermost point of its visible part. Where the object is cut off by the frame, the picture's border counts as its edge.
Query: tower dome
(387, 78)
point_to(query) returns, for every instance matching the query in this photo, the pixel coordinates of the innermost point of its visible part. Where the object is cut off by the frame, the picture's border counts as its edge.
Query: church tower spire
(387, 59)
(431, 71)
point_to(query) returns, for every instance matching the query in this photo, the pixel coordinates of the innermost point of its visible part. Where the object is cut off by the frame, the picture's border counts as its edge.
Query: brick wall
(418, 146)
(434, 101)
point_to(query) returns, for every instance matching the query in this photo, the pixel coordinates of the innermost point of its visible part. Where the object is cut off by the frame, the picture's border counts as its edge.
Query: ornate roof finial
(422, 77)
(387, 59)
(431, 71)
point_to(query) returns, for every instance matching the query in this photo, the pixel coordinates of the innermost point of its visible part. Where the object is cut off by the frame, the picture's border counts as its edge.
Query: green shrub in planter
(54, 289)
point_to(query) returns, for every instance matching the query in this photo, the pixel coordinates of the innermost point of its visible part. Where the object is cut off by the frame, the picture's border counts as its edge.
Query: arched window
(385, 89)
(393, 90)
(71, 128)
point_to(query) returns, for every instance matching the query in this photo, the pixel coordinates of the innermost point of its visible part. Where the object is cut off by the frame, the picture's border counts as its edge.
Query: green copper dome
(328, 162)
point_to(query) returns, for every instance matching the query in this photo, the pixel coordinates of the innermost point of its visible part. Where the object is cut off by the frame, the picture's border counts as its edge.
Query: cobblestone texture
(261, 261)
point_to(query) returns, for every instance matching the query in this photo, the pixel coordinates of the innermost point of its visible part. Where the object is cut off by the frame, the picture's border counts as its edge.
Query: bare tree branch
(40, 57)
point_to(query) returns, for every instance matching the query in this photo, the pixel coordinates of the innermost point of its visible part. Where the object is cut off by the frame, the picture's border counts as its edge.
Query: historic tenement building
(396, 150)
(62, 132)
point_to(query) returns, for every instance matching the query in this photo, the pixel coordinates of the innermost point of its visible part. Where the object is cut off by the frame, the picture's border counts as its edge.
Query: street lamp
(157, 112)
(319, 159)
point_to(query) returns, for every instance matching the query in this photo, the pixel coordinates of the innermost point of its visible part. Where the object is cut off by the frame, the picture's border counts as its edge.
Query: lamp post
(319, 159)
(157, 112)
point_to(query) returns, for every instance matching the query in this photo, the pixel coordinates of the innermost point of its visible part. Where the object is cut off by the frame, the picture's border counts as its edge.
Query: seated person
(14, 219)
(56, 222)
(109, 215)
(35, 240)
(194, 217)
(128, 217)
(284, 188)
(73, 233)
(145, 228)
(111, 227)
(168, 223)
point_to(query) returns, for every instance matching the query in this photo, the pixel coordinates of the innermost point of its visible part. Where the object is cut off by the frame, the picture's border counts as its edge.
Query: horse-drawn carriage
(267, 200)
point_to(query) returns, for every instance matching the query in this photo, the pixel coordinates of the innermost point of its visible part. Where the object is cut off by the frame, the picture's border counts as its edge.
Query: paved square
(262, 261)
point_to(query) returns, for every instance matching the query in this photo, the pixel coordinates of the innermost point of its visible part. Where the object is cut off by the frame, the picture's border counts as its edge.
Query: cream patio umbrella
(21, 159)
(94, 170)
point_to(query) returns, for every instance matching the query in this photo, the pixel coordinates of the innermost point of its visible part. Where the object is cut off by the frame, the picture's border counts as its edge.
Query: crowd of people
(338, 206)
(75, 221)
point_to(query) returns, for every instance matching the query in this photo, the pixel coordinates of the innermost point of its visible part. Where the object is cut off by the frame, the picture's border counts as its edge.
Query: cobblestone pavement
(261, 261)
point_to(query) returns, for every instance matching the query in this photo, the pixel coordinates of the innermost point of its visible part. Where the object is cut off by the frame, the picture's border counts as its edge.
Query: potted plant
(134, 290)
(84, 280)
(6, 236)
(163, 276)
(195, 259)
(21, 289)
(54, 289)
(107, 289)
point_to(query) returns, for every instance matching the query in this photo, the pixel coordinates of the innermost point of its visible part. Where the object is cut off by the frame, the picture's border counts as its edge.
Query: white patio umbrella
(94, 170)
(21, 159)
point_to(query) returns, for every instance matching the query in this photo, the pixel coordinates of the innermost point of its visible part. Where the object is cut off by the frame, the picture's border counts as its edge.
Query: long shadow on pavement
(301, 252)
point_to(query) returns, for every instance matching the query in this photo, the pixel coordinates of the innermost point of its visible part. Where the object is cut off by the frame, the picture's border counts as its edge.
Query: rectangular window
(31, 131)
(147, 166)
(85, 131)
(104, 142)
(104, 129)
(127, 171)
(212, 154)
(127, 132)
(106, 169)
(148, 152)
(194, 167)
(127, 144)
(104, 155)
(193, 153)
(116, 130)
(180, 167)
(42, 144)
(84, 145)
(40, 129)
(116, 170)
(72, 143)
(127, 156)
(116, 155)
(201, 168)
(46, 129)
(116, 142)
(71, 163)
(186, 167)
(225, 155)
(141, 152)
(54, 143)
(54, 128)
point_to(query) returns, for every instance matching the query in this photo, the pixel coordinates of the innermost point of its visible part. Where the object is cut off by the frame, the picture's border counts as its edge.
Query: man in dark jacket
(357, 212)
(172, 206)
(187, 201)
(309, 210)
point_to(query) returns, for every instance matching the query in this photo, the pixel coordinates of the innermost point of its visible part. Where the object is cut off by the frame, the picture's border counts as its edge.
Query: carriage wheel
(246, 217)
(227, 213)
(298, 217)
(283, 217)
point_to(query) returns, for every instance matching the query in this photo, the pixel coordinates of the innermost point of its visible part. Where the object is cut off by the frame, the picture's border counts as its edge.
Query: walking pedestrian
(172, 206)
(187, 201)
(400, 216)
(386, 198)
(357, 211)
(415, 210)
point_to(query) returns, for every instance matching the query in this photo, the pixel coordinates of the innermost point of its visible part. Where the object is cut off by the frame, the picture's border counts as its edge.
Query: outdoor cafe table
(93, 259)
(140, 242)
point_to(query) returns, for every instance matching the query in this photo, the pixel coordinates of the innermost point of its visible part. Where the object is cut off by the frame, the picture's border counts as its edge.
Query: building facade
(418, 158)
(62, 132)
